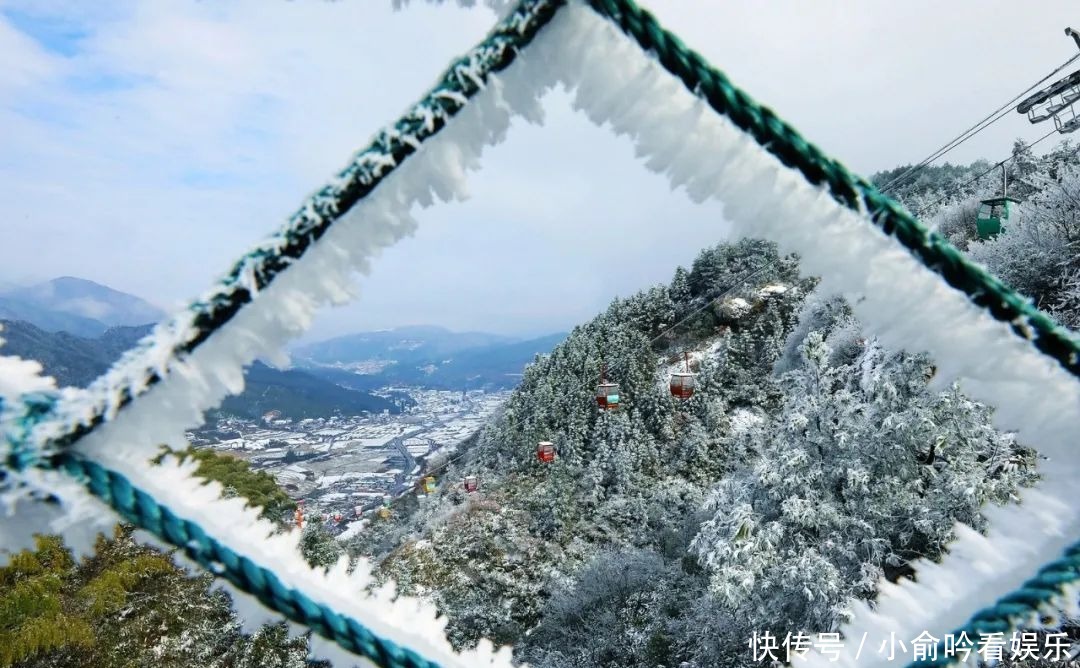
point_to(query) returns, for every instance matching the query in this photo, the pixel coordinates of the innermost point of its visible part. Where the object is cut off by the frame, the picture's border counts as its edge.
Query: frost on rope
(498, 5)
(24, 509)
(18, 376)
(283, 308)
(897, 298)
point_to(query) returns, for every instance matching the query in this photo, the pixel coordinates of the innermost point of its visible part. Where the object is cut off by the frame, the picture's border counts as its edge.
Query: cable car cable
(726, 291)
(973, 130)
(723, 294)
(709, 302)
(926, 207)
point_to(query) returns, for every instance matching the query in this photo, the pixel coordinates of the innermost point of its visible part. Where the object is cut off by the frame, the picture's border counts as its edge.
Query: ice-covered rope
(1057, 580)
(143, 511)
(782, 140)
(150, 360)
(41, 431)
(184, 334)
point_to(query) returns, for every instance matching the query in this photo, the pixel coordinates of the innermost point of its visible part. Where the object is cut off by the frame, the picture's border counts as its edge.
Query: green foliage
(626, 480)
(258, 487)
(319, 548)
(107, 592)
(860, 471)
(33, 619)
(127, 605)
(809, 463)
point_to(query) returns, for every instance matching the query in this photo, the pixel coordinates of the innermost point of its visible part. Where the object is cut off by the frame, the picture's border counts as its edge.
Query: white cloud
(180, 132)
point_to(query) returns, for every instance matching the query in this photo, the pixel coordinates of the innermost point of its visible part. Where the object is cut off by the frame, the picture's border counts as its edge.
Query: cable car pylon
(1056, 100)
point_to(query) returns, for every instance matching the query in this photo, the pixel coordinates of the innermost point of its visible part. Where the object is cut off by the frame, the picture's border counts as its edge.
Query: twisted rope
(465, 78)
(141, 510)
(853, 192)
(1052, 582)
(257, 269)
(786, 144)
(253, 272)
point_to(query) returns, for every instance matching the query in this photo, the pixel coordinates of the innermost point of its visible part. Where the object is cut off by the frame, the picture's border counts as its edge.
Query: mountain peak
(78, 305)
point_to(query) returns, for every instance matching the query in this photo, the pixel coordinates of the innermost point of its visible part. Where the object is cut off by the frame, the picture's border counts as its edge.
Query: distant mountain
(75, 360)
(83, 299)
(402, 345)
(70, 359)
(299, 395)
(493, 365)
(49, 320)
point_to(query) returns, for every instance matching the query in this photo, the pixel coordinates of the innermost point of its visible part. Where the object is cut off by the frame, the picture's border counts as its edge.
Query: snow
(742, 420)
(328, 480)
(775, 289)
(18, 376)
(615, 83)
(897, 298)
(281, 311)
(735, 307)
(354, 528)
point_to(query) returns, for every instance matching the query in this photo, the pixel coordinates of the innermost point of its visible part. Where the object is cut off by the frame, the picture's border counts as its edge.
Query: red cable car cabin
(471, 483)
(607, 396)
(545, 452)
(683, 385)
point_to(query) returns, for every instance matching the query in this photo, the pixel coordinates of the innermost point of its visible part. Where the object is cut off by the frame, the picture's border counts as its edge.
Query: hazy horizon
(149, 145)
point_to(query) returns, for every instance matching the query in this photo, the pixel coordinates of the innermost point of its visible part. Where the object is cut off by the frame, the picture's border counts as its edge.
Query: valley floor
(342, 466)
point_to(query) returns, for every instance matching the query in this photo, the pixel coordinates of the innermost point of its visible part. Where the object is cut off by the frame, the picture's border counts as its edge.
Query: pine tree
(125, 605)
(861, 471)
(680, 287)
(319, 548)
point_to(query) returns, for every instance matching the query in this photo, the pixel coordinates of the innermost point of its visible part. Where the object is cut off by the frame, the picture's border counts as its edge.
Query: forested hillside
(810, 464)
(78, 361)
(129, 605)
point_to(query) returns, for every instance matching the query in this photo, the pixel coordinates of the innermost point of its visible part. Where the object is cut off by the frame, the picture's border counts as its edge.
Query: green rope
(37, 429)
(257, 269)
(140, 509)
(858, 194)
(983, 289)
(1010, 611)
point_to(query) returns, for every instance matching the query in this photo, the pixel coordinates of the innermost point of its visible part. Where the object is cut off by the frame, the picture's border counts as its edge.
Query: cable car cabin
(545, 452)
(683, 385)
(993, 214)
(607, 396)
(428, 485)
(471, 484)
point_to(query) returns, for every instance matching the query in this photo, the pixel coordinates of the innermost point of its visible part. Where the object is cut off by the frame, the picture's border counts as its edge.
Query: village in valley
(343, 467)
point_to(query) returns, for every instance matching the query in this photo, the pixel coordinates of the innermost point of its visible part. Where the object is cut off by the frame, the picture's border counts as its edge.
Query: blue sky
(145, 145)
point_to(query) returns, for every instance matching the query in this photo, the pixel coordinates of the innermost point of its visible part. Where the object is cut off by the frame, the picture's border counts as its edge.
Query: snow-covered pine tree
(862, 470)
